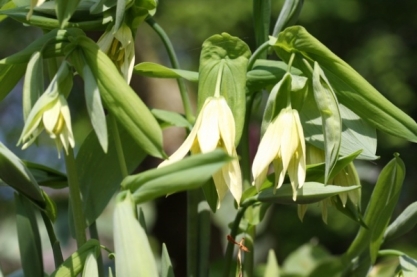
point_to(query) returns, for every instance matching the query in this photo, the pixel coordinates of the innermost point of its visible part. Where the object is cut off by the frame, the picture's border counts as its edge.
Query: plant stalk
(75, 198)
(175, 64)
(56, 247)
(119, 147)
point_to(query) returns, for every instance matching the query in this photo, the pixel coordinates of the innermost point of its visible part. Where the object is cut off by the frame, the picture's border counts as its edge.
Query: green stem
(248, 264)
(119, 147)
(94, 235)
(175, 64)
(75, 198)
(204, 236)
(245, 143)
(230, 246)
(258, 52)
(56, 247)
(192, 232)
(390, 252)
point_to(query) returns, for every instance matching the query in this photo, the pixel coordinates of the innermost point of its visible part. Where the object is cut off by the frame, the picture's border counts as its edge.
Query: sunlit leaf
(159, 71)
(403, 223)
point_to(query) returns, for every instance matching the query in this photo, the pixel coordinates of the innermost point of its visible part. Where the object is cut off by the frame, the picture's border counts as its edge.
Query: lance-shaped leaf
(357, 134)
(311, 192)
(233, 54)
(75, 263)
(10, 74)
(64, 10)
(33, 84)
(15, 174)
(277, 100)
(166, 266)
(155, 70)
(29, 238)
(90, 267)
(134, 257)
(379, 210)
(121, 101)
(186, 174)
(46, 176)
(167, 119)
(288, 15)
(351, 89)
(99, 173)
(403, 223)
(272, 267)
(331, 121)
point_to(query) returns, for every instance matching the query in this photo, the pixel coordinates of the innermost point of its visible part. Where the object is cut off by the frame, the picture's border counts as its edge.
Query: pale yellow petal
(267, 151)
(208, 135)
(233, 178)
(50, 118)
(105, 41)
(289, 138)
(221, 186)
(279, 173)
(227, 125)
(185, 146)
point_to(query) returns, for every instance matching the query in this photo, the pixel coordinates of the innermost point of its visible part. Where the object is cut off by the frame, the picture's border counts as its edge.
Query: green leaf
(122, 101)
(102, 6)
(64, 10)
(233, 54)
(311, 192)
(189, 173)
(120, 13)
(328, 267)
(357, 134)
(90, 267)
(408, 266)
(46, 176)
(350, 210)
(210, 194)
(155, 70)
(100, 174)
(15, 174)
(29, 238)
(134, 257)
(277, 100)
(50, 207)
(403, 223)
(73, 266)
(288, 15)
(33, 84)
(167, 119)
(267, 73)
(7, 6)
(331, 120)
(351, 89)
(272, 267)
(10, 74)
(379, 209)
(95, 107)
(166, 266)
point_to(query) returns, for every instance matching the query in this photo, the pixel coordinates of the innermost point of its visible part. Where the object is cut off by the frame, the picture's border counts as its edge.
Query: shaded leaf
(189, 173)
(403, 223)
(29, 238)
(159, 71)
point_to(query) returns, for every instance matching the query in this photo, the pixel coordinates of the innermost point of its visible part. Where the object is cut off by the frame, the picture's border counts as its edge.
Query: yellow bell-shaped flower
(214, 128)
(282, 145)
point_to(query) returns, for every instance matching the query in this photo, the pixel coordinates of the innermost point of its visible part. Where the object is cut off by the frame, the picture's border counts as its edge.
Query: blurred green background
(378, 38)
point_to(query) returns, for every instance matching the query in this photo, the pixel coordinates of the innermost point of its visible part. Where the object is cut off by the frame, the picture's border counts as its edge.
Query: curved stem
(390, 252)
(119, 147)
(257, 53)
(75, 198)
(56, 247)
(175, 64)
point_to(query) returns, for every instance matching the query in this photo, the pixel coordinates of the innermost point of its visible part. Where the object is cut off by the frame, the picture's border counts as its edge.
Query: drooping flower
(282, 145)
(119, 47)
(214, 128)
(50, 112)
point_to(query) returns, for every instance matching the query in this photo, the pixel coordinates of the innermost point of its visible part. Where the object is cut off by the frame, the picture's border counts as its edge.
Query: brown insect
(239, 252)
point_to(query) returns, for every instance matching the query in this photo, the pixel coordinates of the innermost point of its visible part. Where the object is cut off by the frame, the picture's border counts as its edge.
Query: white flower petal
(267, 151)
(50, 118)
(226, 125)
(208, 134)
